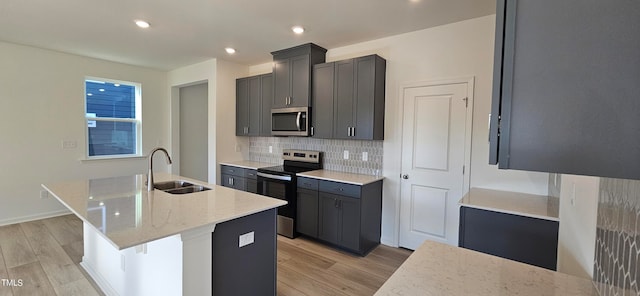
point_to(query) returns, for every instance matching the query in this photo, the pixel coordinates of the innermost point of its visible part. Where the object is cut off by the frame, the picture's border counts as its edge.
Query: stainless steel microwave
(290, 122)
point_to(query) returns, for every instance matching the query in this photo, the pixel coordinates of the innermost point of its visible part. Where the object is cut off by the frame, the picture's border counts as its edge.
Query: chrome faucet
(150, 173)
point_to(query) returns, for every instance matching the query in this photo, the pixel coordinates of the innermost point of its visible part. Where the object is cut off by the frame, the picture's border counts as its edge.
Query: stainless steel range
(280, 182)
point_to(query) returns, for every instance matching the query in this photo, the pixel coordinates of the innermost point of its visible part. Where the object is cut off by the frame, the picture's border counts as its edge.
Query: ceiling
(185, 32)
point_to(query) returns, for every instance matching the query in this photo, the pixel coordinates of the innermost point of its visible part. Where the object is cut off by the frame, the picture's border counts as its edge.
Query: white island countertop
(247, 164)
(441, 270)
(122, 210)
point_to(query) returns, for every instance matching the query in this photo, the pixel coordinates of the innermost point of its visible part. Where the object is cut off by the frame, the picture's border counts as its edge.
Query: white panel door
(433, 156)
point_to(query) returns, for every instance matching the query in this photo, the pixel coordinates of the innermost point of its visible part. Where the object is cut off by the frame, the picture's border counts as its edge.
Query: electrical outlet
(44, 194)
(365, 156)
(270, 149)
(346, 154)
(245, 239)
(69, 144)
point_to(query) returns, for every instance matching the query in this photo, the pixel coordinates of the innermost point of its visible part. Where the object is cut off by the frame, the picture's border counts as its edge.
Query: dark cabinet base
(251, 269)
(524, 239)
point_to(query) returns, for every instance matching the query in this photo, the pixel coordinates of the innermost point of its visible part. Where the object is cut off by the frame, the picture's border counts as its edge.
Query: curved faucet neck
(150, 166)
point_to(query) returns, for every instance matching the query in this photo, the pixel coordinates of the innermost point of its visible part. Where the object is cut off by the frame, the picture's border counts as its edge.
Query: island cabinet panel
(525, 239)
(238, 178)
(565, 90)
(253, 98)
(349, 216)
(292, 72)
(244, 266)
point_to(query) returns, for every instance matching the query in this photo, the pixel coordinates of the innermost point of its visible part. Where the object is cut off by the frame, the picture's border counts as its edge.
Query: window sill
(112, 157)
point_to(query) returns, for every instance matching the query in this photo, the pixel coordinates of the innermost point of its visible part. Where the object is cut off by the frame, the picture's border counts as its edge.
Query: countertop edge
(509, 212)
(373, 178)
(242, 164)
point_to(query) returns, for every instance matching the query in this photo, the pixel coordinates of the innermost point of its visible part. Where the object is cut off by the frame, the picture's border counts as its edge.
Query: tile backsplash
(616, 270)
(333, 152)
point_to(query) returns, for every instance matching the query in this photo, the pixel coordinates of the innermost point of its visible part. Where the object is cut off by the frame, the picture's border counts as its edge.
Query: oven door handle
(276, 177)
(298, 120)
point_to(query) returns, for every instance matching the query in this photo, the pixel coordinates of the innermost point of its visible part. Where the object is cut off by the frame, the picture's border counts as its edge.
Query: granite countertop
(523, 204)
(355, 179)
(443, 270)
(252, 165)
(122, 210)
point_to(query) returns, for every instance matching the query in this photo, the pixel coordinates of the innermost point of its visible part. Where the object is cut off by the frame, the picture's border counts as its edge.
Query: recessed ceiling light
(297, 29)
(89, 94)
(102, 89)
(142, 24)
(230, 50)
(116, 84)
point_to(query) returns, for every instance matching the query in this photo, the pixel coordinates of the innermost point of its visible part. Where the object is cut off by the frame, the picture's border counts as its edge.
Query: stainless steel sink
(188, 189)
(171, 185)
(179, 187)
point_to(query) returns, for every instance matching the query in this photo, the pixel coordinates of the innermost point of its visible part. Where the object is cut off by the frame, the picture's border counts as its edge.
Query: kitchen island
(444, 270)
(139, 242)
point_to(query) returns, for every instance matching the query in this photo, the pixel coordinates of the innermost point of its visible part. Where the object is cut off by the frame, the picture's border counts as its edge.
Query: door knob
(405, 176)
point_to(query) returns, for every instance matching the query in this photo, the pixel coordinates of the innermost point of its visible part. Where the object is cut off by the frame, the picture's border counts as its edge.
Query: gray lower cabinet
(525, 239)
(565, 89)
(239, 178)
(253, 105)
(344, 215)
(292, 75)
(250, 269)
(348, 99)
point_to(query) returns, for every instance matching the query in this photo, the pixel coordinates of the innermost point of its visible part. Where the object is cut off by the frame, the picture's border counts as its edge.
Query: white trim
(34, 217)
(470, 81)
(104, 285)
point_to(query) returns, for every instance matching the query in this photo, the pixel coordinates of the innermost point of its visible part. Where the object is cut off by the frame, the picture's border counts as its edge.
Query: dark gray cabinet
(356, 101)
(231, 261)
(253, 100)
(349, 216)
(565, 88)
(292, 75)
(307, 207)
(525, 239)
(239, 178)
(322, 116)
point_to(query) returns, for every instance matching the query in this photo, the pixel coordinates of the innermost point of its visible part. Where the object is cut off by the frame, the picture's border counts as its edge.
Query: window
(113, 118)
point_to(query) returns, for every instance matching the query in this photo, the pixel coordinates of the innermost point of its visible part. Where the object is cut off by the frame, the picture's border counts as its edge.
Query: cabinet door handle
(348, 131)
(335, 203)
(312, 130)
(353, 131)
(231, 181)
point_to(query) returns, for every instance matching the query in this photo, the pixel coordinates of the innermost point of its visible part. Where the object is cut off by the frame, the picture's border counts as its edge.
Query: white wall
(220, 76)
(578, 220)
(42, 104)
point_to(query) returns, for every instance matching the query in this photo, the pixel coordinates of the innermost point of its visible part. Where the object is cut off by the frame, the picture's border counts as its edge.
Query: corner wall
(41, 105)
(222, 142)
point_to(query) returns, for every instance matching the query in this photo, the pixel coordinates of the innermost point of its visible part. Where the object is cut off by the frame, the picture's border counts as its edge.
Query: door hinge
(463, 168)
(466, 102)
(499, 125)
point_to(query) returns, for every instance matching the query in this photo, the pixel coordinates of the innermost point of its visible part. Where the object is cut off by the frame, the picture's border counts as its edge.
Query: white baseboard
(34, 217)
(100, 281)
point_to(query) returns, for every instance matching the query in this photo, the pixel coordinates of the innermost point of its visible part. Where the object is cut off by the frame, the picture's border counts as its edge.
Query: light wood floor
(45, 255)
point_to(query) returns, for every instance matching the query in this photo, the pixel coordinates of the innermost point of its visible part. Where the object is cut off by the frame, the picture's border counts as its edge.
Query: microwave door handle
(298, 120)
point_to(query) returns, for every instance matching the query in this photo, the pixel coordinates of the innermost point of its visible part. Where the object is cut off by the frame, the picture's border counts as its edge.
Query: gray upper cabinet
(322, 97)
(267, 99)
(253, 97)
(292, 74)
(359, 86)
(566, 87)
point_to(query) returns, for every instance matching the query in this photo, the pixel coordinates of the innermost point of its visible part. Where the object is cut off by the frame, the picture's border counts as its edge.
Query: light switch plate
(69, 144)
(245, 239)
(44, 194)
(365, 156)
(346, 154)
